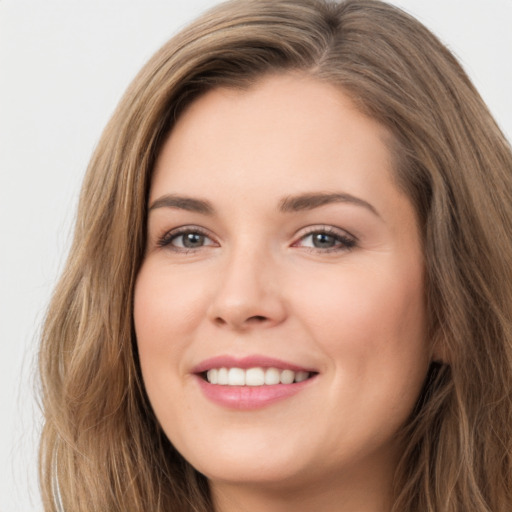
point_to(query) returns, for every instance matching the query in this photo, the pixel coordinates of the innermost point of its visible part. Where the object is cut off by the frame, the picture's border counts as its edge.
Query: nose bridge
(247, 292)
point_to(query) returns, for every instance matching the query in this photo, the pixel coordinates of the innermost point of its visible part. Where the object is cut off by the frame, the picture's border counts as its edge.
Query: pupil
(322, 241)
(192, 240)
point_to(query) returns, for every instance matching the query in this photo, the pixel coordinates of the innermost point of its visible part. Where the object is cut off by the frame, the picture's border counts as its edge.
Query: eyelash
(344, 242)
(169, 237)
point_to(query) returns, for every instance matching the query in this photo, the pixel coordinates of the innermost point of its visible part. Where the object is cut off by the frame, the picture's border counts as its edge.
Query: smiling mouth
(256, 376)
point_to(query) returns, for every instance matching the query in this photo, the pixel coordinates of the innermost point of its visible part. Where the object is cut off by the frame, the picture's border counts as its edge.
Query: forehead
(281, 122)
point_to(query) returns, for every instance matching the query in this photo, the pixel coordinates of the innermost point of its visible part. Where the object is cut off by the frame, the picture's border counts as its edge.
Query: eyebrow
(189, 204)
(289, 204)
(314, 200)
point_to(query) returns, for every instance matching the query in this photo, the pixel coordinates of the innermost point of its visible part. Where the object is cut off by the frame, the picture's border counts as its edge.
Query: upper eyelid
(168, 235)
(188, 229)
(300, 234)
(326, 228)
(345, 240)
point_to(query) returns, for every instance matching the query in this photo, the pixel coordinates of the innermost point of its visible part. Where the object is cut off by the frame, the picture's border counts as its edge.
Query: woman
(289, 286)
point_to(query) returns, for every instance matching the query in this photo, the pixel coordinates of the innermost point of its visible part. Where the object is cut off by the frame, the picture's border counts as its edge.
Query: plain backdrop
(64, 65)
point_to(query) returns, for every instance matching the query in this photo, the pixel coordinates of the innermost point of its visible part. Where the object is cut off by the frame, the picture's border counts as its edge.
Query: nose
(248, 294)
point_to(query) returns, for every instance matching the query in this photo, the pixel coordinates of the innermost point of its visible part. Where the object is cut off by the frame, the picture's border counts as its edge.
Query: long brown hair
(102, 448)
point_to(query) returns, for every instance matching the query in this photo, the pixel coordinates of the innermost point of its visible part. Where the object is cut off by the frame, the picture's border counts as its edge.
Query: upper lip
(253, 361)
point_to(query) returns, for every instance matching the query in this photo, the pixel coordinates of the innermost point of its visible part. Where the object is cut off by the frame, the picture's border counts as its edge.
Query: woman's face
(281, 249)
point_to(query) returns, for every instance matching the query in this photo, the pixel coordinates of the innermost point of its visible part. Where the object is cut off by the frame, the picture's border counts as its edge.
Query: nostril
(257, 318)
(252, 320)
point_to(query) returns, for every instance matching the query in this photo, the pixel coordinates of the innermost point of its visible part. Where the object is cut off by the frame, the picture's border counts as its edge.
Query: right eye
(185, 240)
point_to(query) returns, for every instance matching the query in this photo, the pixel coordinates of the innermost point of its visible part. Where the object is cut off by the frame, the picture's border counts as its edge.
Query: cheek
(371, 327)
(165, 308)
(370, 321)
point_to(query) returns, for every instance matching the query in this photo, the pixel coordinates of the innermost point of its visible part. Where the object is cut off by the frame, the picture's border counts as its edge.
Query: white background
(63, 67)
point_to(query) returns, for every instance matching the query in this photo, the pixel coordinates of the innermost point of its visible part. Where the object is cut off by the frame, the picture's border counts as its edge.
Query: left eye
(326, 240)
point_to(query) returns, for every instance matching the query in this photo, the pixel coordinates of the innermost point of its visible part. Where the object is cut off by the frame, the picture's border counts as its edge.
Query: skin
(258, 283)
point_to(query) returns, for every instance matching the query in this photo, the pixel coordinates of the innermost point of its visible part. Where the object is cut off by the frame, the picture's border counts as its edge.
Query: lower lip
(250, 397)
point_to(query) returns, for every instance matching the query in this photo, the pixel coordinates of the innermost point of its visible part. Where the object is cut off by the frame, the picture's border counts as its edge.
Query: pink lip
(247, 362)
(248, 397)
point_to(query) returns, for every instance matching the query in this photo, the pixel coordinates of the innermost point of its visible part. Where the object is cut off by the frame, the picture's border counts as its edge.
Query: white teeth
(287, 376)
(212, 376)
(222, 376)
(254, 376)
(236, 377)
(272, 376)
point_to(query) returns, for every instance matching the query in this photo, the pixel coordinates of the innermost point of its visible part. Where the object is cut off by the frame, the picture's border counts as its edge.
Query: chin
(251, 463)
